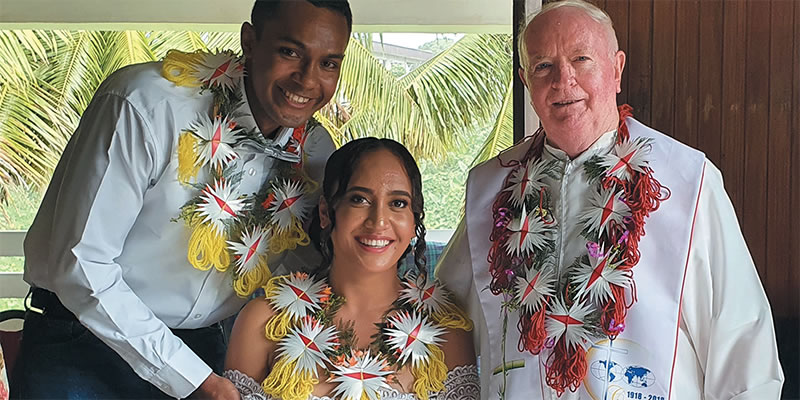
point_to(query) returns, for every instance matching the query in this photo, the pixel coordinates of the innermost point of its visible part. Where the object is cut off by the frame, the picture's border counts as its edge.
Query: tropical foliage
(47, 79)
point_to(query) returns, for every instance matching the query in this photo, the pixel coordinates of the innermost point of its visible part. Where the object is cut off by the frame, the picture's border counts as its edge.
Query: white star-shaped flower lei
(424, 295)
(222, 69)
(627, 157)
(218, 136)
(604, 205)
(219, 204)
(528, 180)
(307, 343)
(289, 203)
(529, 232)
(596, 277)
(365, 376)
(410, 335)
(253, 244)
(534, 287)
(298, 295)
(568, 323)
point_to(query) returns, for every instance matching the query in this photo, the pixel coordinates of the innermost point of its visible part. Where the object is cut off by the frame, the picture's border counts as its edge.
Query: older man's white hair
(589, 9)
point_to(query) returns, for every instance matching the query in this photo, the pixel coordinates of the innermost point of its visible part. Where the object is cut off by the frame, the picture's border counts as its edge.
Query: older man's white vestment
(702, 326)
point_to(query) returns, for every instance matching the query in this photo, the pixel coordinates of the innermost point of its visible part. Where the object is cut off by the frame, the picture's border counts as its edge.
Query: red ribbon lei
(566, 365)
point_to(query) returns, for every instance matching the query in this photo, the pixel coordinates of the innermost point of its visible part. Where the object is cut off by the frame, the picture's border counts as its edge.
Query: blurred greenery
(444, 183)
(17, 214)
(451, 112)
(437, 45)
(47, 79)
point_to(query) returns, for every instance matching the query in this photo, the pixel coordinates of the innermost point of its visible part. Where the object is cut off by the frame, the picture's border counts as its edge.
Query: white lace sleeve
(462, 383)
(248, 388)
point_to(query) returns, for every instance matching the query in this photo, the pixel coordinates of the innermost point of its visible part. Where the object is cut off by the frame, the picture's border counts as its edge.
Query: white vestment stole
(638, 364)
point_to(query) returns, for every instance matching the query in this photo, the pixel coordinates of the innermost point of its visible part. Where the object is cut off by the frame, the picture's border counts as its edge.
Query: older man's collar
(602, 145)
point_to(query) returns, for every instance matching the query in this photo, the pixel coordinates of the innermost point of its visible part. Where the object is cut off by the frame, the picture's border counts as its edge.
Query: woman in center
(352, 329)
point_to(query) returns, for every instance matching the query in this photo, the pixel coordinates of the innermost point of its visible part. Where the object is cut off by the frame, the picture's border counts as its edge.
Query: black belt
(47, 303)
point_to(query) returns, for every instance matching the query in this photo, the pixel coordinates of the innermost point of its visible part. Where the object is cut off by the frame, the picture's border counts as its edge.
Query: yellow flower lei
(229, 228)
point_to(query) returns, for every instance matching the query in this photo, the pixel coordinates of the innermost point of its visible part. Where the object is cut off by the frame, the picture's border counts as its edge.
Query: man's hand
(216, 387)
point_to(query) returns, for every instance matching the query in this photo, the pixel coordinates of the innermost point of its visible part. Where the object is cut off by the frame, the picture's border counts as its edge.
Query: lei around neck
(564, 311)
(304, 328)
(229, 227)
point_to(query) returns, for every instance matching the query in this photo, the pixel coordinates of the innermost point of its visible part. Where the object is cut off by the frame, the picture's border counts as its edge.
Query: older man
(570, 297)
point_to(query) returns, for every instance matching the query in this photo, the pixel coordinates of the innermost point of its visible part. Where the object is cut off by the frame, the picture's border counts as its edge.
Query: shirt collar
(246, 120)
(244, 115)
(603, 144)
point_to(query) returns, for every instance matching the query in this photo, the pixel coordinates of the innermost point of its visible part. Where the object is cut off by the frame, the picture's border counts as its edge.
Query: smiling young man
(611, 264)
(118, 309)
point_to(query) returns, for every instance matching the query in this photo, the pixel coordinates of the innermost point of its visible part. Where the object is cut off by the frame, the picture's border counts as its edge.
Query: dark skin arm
(458, 350)
(249, 352)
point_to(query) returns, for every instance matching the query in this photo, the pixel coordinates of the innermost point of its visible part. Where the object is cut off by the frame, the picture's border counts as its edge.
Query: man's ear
(248, 38)
(619, 66)
(324, 219)
(522, 76)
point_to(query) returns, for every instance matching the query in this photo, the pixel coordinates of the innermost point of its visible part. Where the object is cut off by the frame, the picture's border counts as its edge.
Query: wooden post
(525, 120)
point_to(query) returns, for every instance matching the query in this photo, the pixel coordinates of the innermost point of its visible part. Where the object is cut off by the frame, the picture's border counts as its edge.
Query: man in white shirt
(611, 265)
(118, 311)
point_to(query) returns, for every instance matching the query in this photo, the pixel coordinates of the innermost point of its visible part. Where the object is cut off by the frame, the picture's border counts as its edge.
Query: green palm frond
(32, 133)
(164, 41)
(125, 48)
(47, 79)
(379, 103)
(332, 128)
(77, 69)
(16, 52)
(462, 86)
(501, 136)
(223, 41)
(365, 38)
(428, 108)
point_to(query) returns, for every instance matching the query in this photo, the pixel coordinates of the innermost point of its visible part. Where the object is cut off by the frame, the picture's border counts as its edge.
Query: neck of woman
(365, 291)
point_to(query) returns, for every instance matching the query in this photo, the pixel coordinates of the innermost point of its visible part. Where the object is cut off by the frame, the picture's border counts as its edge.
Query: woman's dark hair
(338, 172)
(264, 10)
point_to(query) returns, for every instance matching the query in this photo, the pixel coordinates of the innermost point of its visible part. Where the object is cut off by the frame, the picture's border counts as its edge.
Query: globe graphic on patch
(639, 377)
(598, 369)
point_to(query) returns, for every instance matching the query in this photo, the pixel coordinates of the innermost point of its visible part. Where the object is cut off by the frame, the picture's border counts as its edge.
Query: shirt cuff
(183, 373)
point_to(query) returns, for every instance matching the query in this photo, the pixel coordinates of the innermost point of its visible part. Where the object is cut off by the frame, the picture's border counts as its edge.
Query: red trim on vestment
(683, 284)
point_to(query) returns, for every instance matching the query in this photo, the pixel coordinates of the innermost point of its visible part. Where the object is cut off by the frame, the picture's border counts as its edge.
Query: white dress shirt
(105, 239)
(726, 346)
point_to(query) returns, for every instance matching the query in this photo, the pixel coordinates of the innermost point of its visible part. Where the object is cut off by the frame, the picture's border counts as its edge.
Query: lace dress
(461, 384)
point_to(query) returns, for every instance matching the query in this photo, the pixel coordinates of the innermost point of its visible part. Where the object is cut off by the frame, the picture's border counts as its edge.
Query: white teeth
(374, 243)
(295, 98)
(563, 103)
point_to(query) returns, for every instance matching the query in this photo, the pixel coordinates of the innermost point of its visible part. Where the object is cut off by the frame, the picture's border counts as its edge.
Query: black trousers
(61, 359)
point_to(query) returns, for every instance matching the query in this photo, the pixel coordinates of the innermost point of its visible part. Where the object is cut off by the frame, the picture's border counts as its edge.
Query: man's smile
(294, 99)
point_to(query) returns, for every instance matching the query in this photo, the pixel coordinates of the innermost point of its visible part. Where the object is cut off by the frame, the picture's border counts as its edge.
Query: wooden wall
(724, 77)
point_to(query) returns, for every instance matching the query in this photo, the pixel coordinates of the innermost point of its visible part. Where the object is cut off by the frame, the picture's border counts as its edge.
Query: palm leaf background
(501, 135)
(47, 79)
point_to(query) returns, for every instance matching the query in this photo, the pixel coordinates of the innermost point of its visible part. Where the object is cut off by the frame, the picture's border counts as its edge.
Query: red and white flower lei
(312, 340)
(230, 227)
(564, 314)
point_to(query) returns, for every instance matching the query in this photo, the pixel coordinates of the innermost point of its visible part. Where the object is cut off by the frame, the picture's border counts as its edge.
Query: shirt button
(252, 171)
(198, 316)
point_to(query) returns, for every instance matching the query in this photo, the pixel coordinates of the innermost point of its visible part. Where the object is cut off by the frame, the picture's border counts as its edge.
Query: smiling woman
(372, 205)
(362, 332)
